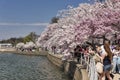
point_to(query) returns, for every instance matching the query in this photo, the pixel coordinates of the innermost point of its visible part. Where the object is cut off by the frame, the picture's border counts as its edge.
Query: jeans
(107, 67)
(118, 64)
(114, 65)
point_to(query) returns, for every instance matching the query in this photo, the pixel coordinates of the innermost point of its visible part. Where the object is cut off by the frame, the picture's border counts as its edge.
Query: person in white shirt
(115, 58)
(118, 59)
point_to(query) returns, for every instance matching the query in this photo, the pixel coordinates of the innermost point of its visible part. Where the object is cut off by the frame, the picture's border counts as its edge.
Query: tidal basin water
(22, 67)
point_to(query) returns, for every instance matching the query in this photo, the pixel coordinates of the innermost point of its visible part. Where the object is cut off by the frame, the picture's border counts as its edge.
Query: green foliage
(30, 37)
(27, 39)
(54, 20)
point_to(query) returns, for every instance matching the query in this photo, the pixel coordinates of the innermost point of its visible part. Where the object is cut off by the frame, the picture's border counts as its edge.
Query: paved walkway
(116, 77)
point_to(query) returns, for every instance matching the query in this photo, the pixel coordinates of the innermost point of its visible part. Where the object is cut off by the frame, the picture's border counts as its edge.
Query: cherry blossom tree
(76, 25)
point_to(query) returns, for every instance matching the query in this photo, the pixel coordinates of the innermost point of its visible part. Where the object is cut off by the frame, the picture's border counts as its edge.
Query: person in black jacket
(78, 53)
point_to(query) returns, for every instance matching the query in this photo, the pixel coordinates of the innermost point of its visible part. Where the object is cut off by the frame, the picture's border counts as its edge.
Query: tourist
(118, 60)
(53, 49)
(86, 53)
(98, 59)
(78, 53)
(115, 58)
(64, 57)
(107, 57)
(90, 50)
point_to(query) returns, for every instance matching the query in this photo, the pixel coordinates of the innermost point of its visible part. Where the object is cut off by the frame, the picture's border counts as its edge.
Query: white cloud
(24, 24)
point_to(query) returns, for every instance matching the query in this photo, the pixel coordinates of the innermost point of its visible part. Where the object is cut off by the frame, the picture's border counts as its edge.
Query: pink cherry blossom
(76, 25)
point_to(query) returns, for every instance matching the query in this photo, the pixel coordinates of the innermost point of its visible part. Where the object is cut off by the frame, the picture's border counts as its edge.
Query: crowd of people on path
(106, 56)
(109, 58)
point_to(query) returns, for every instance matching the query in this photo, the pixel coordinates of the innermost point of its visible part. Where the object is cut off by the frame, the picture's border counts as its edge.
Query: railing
(89, 63)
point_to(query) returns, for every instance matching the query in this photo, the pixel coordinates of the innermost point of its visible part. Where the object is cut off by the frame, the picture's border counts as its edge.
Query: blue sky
(20, 17)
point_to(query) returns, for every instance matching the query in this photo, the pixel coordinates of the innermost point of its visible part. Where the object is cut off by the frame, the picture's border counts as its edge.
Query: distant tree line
(30, 37)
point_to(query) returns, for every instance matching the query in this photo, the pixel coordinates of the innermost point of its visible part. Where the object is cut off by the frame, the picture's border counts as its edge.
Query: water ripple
(21, 67)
